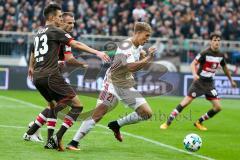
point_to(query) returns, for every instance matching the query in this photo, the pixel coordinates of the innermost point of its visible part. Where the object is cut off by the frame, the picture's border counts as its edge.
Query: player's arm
(143, 54)
(65, 38)
(194, 65)
(136, 66)
(30, 67)
(70, 60)
(228, 74)
(84, 47)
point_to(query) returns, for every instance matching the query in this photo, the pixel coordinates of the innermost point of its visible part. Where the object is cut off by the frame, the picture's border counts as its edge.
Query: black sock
(208, 115)
(35, 127)
(61, 132)
(51, 115)
(179, 108)
(73, 114)
(174, 114)
(50, 133)
(74, 143)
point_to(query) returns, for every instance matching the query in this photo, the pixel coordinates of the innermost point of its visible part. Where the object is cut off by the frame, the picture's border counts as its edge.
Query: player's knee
(147, 114)
(76, 101)
(97, 118)
(99, 113)
(217, 108)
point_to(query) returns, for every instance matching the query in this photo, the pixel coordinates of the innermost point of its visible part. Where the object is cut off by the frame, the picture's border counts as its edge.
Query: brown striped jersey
(47, 45)
(209, 62)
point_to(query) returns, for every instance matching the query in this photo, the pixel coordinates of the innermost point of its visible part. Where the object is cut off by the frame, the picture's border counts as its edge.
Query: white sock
(85, 127)
(129, 119)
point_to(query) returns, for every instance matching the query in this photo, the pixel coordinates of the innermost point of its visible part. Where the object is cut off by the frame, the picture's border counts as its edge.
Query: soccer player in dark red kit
(203, 83)
(48, 79)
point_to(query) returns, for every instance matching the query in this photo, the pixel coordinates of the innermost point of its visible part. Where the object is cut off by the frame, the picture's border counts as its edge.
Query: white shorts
(110, 95)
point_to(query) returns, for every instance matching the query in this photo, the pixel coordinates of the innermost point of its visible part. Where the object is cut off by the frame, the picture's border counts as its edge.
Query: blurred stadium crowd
(169, 18)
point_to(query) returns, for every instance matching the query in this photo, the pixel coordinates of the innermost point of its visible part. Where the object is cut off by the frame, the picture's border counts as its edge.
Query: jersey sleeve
(223, 62)
(62, 36)
(67, 50)
(124, 56)
(200, 57)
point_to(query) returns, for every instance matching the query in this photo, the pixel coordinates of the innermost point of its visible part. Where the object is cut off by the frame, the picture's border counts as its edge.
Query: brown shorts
(200, 87)
(54, 87)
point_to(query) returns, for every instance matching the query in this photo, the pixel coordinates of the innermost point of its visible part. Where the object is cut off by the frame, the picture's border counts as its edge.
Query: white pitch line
(124, 133)
(25, 127)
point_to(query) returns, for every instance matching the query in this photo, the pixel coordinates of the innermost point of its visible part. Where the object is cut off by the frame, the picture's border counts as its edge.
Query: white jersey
(118, 73)
(119, 82)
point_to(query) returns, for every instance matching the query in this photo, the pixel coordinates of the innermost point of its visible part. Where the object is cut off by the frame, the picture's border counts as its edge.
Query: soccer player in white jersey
(208, 60)
(118, 85)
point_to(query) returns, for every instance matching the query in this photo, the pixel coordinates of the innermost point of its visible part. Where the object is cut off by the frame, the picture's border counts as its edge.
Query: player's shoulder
(220, 53)
(41, 30)
(124, 47)
(125, 44)
(205, 51)
(56, 29)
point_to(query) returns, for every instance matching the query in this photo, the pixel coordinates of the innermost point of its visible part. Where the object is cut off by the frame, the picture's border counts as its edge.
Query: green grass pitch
(142, 141)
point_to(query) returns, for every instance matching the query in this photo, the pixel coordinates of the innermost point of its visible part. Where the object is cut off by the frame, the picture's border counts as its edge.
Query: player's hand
(233, 84)
(83, 64)
(103, 56)
(143, 54)
(151, 51)
(30, 73)
(195, 77)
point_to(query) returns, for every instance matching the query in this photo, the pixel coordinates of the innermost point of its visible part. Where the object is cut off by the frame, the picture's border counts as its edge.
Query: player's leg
(105, 102)
(71, 117)
(55, 142)
(35, 126)
(87, 125)
(41, 85)
(63, 95)
(211, 95)
(211, 113)
(194, 91)
(176, 111)
(39, 121)
(142, 111)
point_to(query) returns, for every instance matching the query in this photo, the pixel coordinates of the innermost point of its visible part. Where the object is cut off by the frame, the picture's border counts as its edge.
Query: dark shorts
(54, 87)
(200, 87)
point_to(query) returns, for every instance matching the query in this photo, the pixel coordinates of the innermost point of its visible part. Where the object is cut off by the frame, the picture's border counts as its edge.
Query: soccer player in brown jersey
(66, 59)
(47, 77)
(66, 56)
(203, 83)
(118, 86)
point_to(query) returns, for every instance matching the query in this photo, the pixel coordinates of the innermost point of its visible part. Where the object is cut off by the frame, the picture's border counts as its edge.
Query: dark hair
(51, 10)
(67, 14)
(215, 34)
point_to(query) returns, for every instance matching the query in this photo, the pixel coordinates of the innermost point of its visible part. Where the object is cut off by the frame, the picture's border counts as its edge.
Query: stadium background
(181, 29)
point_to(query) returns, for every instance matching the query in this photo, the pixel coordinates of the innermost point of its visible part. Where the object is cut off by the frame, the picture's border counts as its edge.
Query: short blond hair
(142, 26)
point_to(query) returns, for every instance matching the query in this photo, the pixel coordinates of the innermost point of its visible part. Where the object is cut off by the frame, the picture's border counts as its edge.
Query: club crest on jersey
(214, 66)
(68, 35)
